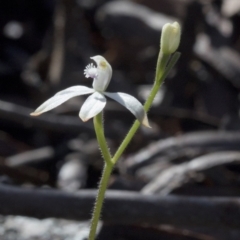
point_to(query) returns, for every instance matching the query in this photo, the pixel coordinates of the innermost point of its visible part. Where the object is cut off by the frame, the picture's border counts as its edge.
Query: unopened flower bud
(170, 38)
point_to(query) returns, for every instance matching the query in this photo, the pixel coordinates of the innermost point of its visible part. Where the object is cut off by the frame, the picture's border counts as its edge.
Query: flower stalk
(164, 64)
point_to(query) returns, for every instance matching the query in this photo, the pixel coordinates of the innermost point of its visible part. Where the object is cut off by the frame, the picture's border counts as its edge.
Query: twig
(24, 174)
(20, 115)
(210, 140)
(175, 176)
(33, 156)
(57, 56)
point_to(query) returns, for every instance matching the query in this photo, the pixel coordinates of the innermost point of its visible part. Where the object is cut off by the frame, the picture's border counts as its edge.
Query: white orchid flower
(95, 103)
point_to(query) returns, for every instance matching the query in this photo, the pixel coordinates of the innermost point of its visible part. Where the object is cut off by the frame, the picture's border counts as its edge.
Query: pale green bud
(170, 38)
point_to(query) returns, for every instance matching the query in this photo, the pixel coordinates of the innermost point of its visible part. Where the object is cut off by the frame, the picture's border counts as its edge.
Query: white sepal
(132, 104)
(104, 74)
(93, 105)
(60, 98)
(75, 91)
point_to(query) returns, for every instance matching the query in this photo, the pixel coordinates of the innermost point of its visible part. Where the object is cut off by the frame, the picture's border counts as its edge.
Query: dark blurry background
(193, 148)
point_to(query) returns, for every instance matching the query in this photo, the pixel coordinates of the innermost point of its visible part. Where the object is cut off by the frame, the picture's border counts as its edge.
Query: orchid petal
(104, 74)
(93, 105)
(132, 104)
(60, 98)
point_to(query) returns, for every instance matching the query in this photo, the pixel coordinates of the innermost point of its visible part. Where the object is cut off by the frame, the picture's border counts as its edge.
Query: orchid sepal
(60, 98)
(132, 104)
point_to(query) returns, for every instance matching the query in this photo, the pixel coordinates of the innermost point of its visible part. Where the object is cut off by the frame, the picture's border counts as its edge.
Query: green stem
(160, 76)
(99, 200)
(98, 125)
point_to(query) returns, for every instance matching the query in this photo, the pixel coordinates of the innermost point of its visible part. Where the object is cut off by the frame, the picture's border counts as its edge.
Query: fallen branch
(123, 207)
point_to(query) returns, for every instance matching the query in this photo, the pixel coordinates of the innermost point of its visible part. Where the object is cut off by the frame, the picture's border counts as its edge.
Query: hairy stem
(98, 125)
(99, 200)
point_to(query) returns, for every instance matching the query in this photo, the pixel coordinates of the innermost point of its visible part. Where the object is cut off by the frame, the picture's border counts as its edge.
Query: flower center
(90, 71)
